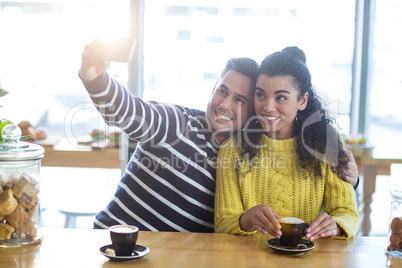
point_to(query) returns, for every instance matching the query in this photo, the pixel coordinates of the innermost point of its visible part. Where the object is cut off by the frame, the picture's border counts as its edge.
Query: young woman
(279, 166)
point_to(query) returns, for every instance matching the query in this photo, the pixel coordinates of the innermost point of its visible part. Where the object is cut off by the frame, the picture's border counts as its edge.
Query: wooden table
(80, 248)
(68, 153)
(369, 167)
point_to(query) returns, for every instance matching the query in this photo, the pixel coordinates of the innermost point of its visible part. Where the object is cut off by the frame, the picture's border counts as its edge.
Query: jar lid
(12, 148)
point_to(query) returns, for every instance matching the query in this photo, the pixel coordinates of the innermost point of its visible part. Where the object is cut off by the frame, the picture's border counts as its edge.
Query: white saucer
(276, 245)
(138, 252)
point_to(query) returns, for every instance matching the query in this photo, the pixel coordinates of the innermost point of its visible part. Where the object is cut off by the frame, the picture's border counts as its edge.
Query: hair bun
(295, 52)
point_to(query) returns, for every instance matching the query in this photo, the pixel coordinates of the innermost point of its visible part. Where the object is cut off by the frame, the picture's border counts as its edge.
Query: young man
(169, 182)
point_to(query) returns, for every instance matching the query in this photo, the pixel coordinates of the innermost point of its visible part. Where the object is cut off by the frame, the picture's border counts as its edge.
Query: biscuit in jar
(27, 230)
(8, 203)
(10, 181)
(19, 217)
(20, 186)
(6, 231)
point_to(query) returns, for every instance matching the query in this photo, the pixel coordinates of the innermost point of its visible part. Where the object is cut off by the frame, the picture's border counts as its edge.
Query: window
(186, 45)
(40, 54)
(385, 83)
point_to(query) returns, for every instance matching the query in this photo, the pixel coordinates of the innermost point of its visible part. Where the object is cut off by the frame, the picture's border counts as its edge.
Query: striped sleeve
(140, 120)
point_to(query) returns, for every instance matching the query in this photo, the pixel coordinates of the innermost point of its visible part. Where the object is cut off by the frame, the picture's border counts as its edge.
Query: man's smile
(223, 116)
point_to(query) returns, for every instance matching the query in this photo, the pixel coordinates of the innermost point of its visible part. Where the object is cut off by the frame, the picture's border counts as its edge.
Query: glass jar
(19, 190)
(394, 246)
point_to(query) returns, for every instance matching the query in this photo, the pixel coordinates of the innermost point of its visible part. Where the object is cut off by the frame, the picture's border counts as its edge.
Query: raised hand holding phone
(99, 53)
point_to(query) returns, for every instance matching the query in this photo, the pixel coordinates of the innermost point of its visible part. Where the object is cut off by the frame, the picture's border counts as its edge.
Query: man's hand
(94, 61)
(351, 172)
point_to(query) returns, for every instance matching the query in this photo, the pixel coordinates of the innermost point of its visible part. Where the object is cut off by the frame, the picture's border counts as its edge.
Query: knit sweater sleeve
(340, 202)
(228, 203)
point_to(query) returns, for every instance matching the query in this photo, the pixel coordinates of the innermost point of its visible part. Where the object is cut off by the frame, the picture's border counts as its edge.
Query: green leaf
(27, 137)
(3, 92)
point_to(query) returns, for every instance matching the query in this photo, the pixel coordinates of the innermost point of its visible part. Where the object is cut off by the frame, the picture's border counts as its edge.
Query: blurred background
(353, 49)
(185, 46)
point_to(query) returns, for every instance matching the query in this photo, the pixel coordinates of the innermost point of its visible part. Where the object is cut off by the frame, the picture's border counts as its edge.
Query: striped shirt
(169, 182)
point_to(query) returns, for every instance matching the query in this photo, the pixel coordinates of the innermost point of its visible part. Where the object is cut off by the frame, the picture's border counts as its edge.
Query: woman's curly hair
(316, 137)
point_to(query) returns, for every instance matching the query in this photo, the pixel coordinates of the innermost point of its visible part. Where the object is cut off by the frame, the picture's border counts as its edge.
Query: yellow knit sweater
(277, 180)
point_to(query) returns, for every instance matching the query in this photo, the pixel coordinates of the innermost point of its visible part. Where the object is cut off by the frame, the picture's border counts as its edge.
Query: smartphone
(119, 49)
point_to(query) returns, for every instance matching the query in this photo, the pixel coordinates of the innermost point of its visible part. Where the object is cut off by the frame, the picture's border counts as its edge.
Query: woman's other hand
(323, 226)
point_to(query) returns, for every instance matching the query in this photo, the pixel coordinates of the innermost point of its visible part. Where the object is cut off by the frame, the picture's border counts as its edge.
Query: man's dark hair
(243, 65)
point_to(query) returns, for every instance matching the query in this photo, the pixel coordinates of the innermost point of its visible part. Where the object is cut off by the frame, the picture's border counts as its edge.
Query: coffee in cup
(293, 229)
(124, 238)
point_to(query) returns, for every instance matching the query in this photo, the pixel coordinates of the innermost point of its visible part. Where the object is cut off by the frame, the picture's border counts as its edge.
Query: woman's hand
(323, 226)
(263, 219)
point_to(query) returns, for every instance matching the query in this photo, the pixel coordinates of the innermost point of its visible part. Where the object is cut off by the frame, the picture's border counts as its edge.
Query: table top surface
(68, 153)
(80, 248)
